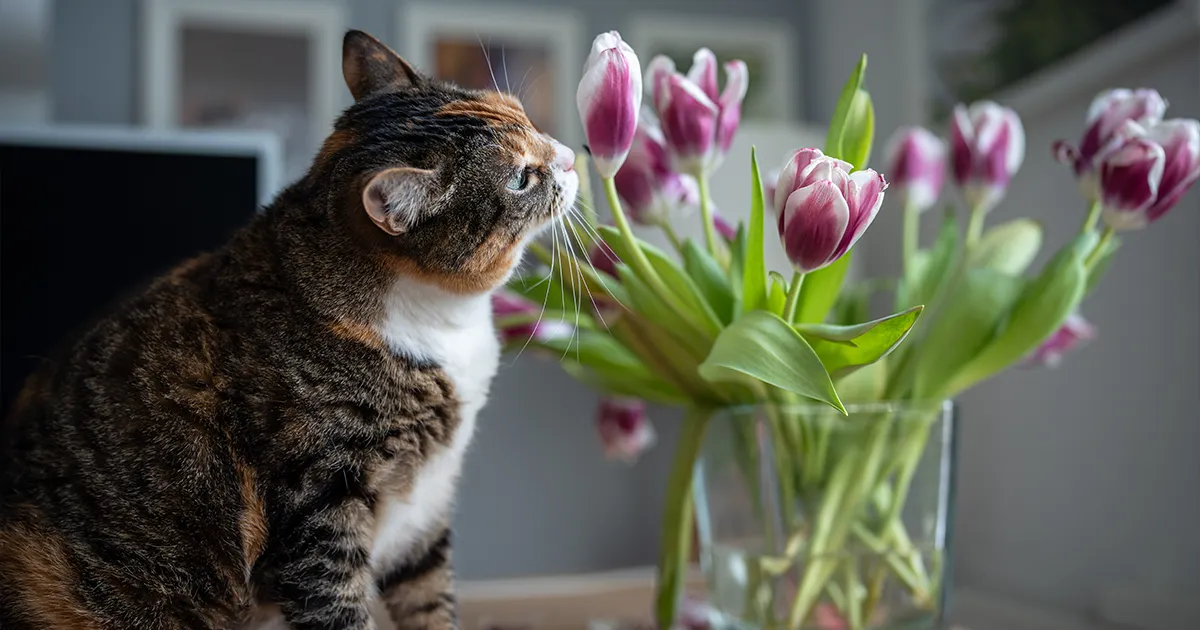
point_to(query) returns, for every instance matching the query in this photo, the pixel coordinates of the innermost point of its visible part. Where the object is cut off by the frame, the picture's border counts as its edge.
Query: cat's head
(450, 183)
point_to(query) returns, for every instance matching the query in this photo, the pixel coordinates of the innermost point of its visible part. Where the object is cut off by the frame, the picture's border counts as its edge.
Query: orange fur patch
(356, 332)
(37, 569)
(253, 522)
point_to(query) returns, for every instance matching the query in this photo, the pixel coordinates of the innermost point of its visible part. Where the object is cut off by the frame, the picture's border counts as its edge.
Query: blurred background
(1078, 488)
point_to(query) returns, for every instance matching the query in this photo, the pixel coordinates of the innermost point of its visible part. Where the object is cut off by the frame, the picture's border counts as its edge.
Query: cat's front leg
(419, 590)
(324, 580)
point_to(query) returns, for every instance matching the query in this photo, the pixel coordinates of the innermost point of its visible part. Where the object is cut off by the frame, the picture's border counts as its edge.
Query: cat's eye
(520, 180)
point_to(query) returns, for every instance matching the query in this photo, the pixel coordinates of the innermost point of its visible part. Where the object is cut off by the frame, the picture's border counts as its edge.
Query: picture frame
(536, 55)
(767, 47)
(229, 64)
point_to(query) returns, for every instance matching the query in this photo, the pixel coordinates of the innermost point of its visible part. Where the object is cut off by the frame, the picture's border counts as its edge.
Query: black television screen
(88, 215)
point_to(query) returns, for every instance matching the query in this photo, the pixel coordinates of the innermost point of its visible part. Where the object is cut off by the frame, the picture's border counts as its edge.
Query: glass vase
(810, 520)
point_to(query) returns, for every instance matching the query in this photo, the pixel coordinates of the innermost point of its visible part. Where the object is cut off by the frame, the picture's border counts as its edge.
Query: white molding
(323, 23)
(262, 145)
(774, 36)
(1090, 69)
(561, 29)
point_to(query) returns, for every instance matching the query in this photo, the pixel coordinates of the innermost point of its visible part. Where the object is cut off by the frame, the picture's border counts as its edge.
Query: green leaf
(1101, 265)
(820, 290)
(853, 304)
(737, 260)
(649, 305)
(651, 389)
(1009, 247)
(765, 348)
(860, 130)
(837, 126)
(843, 349)
(711, 280)
(938, 263)
(1043, 306)
(864, 385)
(777, 294)
(754, 267)
(969, 319)
(597, 350)
(704, 320)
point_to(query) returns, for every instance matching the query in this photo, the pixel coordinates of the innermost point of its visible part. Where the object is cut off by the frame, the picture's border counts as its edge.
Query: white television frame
(261, 145)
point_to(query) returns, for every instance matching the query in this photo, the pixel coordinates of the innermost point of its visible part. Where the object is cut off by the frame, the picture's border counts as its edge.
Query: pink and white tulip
(1105, 118)
(698, 122)
(649, 188)
(625, 431)
(724, 228)
(1073, 333)
(987, 144)
(1144, 173)
(508, 304)
(916, 167)
(822, 209)
(609, 97)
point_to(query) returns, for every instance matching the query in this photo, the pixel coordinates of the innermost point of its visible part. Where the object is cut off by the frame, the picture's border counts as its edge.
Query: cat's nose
(564, 157)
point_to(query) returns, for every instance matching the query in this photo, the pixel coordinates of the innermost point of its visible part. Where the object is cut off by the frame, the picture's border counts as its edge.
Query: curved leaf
(1041, 309)
(860, 130)
(843, 349)
(710, 279)
(1009, 247)
(837, 125)
(765, 348)
(754, 266)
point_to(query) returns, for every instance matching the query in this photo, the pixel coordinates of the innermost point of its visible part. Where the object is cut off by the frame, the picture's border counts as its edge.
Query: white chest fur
(456, 333)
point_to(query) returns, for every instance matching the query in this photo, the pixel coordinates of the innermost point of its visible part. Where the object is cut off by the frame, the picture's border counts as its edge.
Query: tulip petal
(962, 138)
(815, 220)
(737, 82)
(659, 70)
(1180, 140)
(704, 72)
(689, 120)
(866, 198)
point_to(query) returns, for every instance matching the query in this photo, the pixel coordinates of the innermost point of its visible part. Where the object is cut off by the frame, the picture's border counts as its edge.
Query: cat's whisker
(545, 301)
(487, 58)
(504, 64)
(591, 296)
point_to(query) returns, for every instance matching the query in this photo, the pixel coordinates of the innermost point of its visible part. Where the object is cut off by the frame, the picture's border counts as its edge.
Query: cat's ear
(370, 67)
(395, 198)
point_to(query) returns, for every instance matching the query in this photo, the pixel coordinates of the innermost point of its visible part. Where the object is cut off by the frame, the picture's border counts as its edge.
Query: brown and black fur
(218, 443)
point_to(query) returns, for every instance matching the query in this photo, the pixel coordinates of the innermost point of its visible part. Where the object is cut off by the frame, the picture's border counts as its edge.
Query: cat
(276, 428)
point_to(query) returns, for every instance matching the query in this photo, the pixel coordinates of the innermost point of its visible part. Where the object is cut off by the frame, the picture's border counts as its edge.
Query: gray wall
(1086, 478)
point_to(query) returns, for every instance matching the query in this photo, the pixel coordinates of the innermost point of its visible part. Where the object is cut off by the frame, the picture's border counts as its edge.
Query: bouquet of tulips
(707, 326)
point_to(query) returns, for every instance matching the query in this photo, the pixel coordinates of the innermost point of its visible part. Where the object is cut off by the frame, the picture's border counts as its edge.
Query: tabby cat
(274, 430)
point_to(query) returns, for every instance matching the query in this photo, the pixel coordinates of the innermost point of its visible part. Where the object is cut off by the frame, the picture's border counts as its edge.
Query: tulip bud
(1107, 115)
(648, 188)
(609, 97)
(1180, 140)
(1072, 334)
(916, 166)
(603, 258)
(625, 431)
(506, 304)
(823, 209)
(698, 122)
(987, 143)
(1129, 177)
(724, 228)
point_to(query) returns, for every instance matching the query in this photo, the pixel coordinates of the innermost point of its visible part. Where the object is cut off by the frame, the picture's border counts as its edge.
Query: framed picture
(767, 48)
(536, 55)
(267, 65)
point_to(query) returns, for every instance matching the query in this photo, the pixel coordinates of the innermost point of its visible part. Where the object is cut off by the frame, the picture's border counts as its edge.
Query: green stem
(710, 230)
(678, 517)
(975, 226)
(1093, 217)
(671, 235)
(789, 307)
(640, 263)
(912, 235)
(1107, 236)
